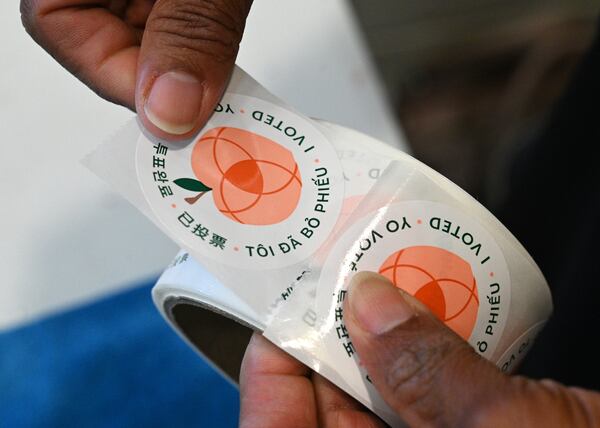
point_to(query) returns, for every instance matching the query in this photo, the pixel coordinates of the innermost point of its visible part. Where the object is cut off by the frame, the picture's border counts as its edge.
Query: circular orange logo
(253, 179)
(441, 280)
(259, 187)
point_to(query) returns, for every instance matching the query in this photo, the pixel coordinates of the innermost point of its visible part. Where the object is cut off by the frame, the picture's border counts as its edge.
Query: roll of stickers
(276, 211)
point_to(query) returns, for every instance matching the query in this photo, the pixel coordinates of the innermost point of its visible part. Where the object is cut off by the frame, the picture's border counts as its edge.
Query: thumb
(187, 55)
(422, 369)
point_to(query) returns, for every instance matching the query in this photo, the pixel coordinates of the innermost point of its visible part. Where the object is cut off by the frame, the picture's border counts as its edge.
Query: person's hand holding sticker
(424, 371)
(170, 60)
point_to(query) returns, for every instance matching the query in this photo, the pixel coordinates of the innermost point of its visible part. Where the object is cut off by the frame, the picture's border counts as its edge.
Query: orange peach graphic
(253, 179)
(441, 280)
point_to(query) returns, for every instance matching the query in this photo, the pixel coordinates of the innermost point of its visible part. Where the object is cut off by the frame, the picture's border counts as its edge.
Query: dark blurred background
(472, 79)
(501, 97)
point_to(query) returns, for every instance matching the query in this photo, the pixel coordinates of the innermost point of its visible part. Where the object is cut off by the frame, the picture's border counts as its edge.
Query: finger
(275, 389)
(94, 44)
(188, 52)
(336, 409)
(423, 370)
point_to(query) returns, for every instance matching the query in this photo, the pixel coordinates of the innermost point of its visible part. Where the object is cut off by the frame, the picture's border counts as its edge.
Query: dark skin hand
(424, 371)
(170, 60)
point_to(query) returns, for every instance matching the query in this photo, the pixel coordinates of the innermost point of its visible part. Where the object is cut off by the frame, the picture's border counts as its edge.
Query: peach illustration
(253, 179)
(441, 280)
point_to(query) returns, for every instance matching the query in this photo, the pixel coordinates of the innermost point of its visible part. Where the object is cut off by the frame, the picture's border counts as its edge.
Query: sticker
(513, 356)
(432, 251)
(361, 171)
(362, 168)
(259, 187)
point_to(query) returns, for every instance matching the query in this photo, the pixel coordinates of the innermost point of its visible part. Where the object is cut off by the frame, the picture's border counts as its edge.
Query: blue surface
(114, 363)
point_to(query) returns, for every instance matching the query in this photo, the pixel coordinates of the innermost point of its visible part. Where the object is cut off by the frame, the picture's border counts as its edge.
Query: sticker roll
(206, 314)
(516, 301)
(275, 211)
(210, 317)
(436, 242)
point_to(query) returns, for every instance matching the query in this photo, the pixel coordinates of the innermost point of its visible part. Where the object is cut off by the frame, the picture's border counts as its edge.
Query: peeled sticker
(277, 212)
(260, 187)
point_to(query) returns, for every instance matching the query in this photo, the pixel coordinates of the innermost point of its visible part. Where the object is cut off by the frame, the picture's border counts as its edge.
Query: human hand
(424, 371)
(277, 391)
(170, 60)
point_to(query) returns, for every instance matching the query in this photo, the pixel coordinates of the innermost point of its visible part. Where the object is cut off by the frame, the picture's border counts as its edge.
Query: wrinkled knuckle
(208, 27)
(416, 365)
(415, 372)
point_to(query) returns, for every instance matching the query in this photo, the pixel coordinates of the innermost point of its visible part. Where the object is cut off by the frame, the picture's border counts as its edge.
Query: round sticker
(259, 187)
(435, 253)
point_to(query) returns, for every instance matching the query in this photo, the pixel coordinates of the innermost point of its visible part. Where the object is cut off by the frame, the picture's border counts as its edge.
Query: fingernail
(376, 304)
(174, 102)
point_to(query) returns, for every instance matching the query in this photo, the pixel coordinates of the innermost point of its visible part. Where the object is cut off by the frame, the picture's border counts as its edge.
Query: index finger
(275, 388)
(92, 42)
